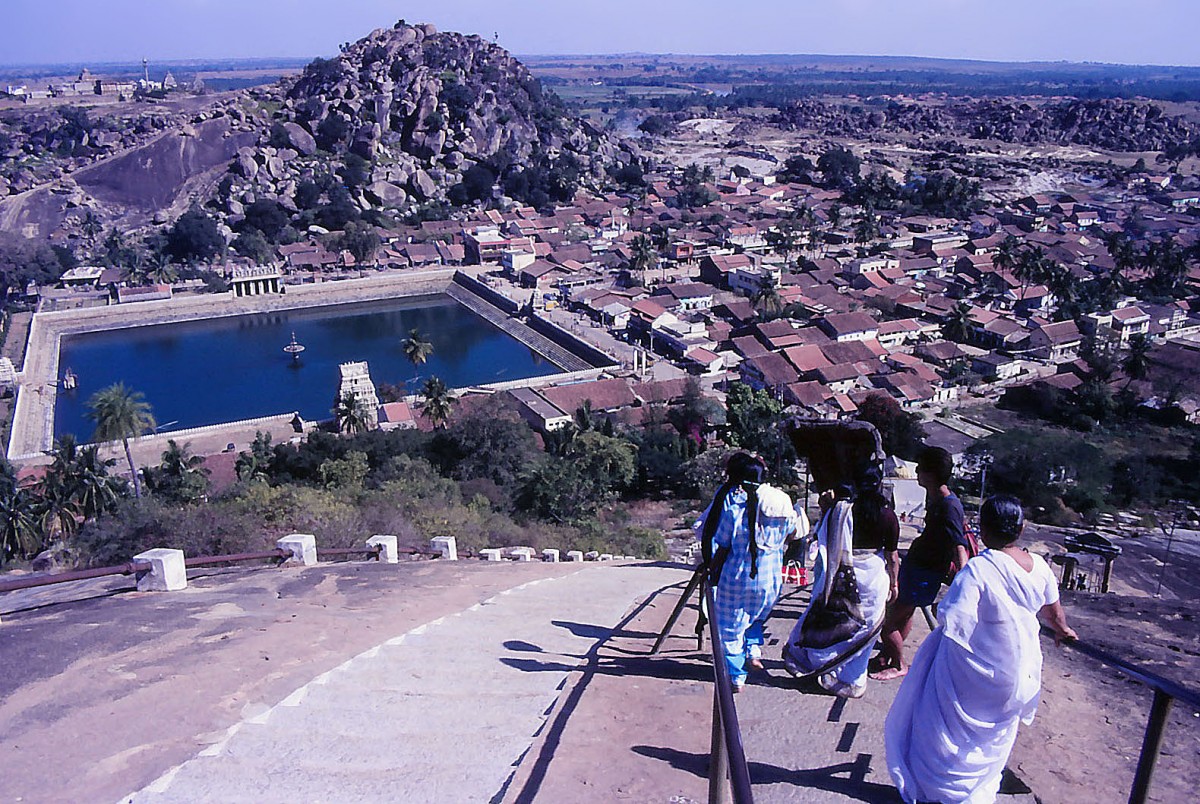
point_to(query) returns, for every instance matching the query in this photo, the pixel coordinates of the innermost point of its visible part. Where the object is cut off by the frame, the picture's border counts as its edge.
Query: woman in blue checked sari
(748, 523)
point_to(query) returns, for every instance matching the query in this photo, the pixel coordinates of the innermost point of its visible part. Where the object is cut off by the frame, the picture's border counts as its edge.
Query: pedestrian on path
(860, 531)
(952, 725)
(941, 550)
(743, 534)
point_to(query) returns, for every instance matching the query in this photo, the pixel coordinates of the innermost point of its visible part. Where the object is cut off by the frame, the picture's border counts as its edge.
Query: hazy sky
(1128, 31)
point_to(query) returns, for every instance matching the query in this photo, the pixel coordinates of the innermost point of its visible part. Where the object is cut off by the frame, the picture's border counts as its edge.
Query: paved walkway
(441, 713)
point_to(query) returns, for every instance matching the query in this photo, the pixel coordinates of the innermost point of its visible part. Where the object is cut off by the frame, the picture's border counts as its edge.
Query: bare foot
(890, 673)
(755, 664)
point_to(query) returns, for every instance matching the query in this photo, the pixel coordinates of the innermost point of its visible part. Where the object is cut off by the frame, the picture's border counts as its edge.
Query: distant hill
(407, 120)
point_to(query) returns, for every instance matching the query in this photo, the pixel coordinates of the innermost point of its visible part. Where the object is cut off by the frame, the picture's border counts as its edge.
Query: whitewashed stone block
(491, 554)
(302, 546)
(388, 553)
(574, 555)
(446, 545)
(593, 555)
(167, 571)
(522, 553)
(606, 557)
(550, 555)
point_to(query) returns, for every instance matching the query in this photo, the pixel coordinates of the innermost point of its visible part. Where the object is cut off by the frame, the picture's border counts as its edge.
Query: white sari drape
(954, 720)
(835, 538)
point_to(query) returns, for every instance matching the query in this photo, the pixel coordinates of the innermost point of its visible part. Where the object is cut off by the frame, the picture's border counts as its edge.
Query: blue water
(220, 370)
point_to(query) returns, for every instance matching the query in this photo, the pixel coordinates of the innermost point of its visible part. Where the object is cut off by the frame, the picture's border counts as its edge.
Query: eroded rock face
(1116, 125)
(422, 107)
(300, 139)
(418, 106)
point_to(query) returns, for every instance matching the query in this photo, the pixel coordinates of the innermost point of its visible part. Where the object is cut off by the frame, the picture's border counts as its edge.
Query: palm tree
(181, 476)
(121, 414)
(91, 227)
(766, 299)
(95, 490)
(958, 325)
(18, 524)
(58, 505)
(643, 257)
(1136, 363)
(351, 415)
(438, 402)
(417, 348)
(255, 465)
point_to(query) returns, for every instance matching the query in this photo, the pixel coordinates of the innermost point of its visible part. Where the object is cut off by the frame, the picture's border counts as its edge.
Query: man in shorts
(941, 550)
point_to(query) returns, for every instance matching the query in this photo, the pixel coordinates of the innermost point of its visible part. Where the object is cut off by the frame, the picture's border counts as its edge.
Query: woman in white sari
(862, 535)
(978, 675)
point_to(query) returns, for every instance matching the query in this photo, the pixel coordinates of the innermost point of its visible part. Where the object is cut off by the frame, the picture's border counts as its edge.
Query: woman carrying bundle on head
(979, 674)
(743, 535)
(855, 575)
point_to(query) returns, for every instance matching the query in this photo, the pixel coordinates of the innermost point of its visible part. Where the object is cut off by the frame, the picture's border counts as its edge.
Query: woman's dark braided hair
(747, 471)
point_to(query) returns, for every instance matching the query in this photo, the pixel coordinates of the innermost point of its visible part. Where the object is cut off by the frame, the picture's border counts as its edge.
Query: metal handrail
(263, 555)
(1166, 692)
(727, 770)
(372, 553)
(128, 568)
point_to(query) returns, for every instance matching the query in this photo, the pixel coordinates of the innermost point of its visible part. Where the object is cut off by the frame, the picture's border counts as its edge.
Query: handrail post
(718, 758)
(1151, 744)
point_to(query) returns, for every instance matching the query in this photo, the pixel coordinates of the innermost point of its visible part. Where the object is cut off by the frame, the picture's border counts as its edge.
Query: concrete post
(574, 555)
(167, 571)
(491, 554)
(302, 546)
(388, 553)
(606, 557)
(446, 545)
(550, 555)
(594, 555)
(522, 553)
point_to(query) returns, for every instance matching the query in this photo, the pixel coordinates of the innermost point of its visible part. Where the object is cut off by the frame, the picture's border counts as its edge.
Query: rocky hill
(407, 119)
(1116, 125)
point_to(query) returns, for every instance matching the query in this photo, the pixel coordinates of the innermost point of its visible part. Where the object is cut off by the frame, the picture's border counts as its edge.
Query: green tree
(696, 413)
(253, 245)
(181, 477)
(195, 237)
(255, 464)
(439, 402)
(352, 415)
(766, 299)
(957, 326)
(754, 423)
(840, 167)
(360, 239)
(416, 347)
(19, 534)
(490, 442)
(643, 257)
(348, 473)
(1136, 363)
(797, 169)
(900, 432)
(121, 414)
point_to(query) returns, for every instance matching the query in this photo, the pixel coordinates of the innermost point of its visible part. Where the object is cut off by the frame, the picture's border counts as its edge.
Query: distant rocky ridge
(1116, 125)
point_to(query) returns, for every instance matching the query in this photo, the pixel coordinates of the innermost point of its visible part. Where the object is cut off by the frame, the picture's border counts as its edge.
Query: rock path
(443, 712)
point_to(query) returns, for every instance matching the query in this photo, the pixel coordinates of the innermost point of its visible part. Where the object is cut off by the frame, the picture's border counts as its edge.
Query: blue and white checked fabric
(744, 603)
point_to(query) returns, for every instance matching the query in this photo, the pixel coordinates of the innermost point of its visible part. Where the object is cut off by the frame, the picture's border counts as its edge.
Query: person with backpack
(858, 531)
(941, 550)
(743, 535)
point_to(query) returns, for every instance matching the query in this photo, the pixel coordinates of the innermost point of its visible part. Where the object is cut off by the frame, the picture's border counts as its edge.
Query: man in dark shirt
(941, 550)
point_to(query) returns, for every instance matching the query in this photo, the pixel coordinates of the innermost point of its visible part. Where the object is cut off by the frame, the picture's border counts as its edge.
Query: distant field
(590, 93)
